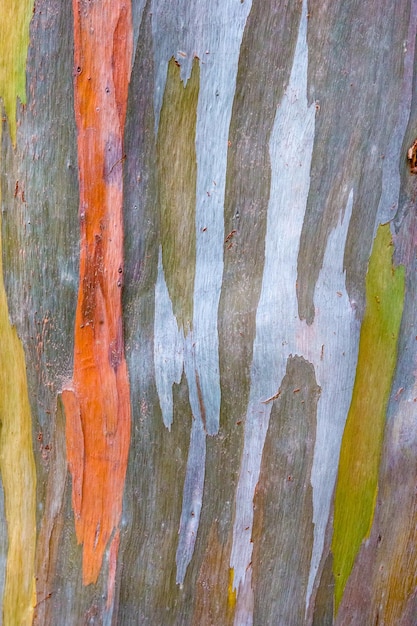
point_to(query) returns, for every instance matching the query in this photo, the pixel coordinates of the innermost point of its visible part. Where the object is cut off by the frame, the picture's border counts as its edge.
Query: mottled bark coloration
(348, 151)
(265, 61)
(18, 474)
(207, 339)
(382, 585)
(98, 422)
(51, 529)
(388, 559)
(40, 200)
(17, 464)
(148, 595)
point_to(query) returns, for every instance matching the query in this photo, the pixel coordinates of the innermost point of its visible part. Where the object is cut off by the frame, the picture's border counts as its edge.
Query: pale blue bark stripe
(215, 38)
(291, 146)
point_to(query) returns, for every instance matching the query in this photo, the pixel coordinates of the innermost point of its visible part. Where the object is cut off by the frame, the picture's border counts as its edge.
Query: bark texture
(208, 348)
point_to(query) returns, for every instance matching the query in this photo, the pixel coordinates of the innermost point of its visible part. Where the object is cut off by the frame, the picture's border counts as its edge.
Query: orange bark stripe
(97, 404)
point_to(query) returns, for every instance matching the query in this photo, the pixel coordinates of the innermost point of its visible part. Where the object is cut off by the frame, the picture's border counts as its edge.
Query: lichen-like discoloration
(177, 173)
(360, 454)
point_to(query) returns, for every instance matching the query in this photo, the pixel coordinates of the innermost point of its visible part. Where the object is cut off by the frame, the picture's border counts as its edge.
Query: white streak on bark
(192, 499)
(291, 146)
(218, 76)
(331, 344)
(168, 347)
(244, 606)
(213, 32)
(402, 433)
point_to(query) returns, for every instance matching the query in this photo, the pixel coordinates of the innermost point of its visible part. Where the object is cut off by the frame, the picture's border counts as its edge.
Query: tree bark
(207, 312)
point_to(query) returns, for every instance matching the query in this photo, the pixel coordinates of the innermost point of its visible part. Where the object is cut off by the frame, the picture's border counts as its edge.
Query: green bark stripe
(18, 473)
(17, 464)
(357, 482)
(14, 41)
(177, 175)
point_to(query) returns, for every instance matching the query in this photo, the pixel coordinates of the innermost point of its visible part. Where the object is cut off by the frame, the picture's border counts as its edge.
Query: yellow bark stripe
(231, 592)
(14, 41)
(17, 464)
(17, 467)
(357, 481)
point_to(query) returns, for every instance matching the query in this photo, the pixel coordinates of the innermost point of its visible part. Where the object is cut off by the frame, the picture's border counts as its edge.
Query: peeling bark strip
(360, 453)
(97, 405)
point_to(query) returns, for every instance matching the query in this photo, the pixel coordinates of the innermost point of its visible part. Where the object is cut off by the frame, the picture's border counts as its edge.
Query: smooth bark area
(208, 340)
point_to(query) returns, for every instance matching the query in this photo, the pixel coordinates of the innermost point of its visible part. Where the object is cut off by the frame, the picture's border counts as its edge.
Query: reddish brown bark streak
(97, 404)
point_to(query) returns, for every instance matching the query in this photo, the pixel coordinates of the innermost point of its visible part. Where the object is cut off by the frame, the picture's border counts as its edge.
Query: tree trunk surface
(208, 321)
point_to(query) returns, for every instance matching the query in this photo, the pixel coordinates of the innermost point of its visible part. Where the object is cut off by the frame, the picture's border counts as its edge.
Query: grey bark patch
(149, 595)
(48, 547)
(283, 508)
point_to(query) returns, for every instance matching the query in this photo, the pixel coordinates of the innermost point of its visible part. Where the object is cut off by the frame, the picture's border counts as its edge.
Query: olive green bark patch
(14, 41)
(357, 482)
(177, 177)
(323, 605)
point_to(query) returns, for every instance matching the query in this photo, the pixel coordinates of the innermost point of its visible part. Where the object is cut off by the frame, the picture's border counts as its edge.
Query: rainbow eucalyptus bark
(207, 312)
